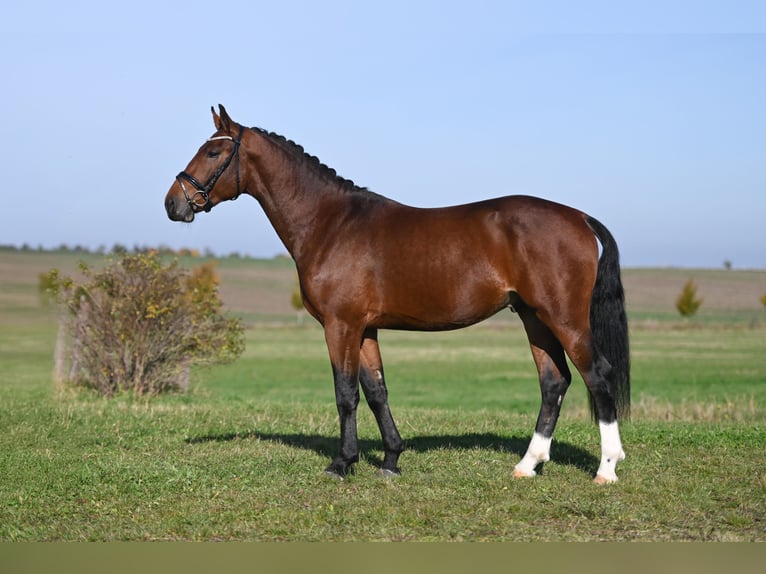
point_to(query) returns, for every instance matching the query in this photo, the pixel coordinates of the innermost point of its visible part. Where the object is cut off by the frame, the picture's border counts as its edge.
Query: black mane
(297, 150)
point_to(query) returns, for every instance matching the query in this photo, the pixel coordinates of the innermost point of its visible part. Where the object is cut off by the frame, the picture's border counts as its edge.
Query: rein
(203, 191)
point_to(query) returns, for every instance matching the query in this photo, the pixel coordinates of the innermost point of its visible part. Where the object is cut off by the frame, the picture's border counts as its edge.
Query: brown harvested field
(260, 289)
(257, 289)
(656, 289)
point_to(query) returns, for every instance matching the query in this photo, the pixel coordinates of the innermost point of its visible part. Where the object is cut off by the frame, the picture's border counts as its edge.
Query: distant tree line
(120, 249)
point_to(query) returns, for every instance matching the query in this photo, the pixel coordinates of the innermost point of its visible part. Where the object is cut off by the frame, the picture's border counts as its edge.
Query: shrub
(47, 286)
(138, 325)
(763, 299)
(296, 301)
(688, 303)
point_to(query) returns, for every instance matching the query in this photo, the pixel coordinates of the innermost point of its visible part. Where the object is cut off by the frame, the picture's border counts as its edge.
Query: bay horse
(366, 262)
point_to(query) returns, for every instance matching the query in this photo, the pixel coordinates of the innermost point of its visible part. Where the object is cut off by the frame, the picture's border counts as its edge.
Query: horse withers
(366, 262)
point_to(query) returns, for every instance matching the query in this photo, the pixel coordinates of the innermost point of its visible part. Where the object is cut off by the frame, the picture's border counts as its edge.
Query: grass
(240, 457)
(89, 469)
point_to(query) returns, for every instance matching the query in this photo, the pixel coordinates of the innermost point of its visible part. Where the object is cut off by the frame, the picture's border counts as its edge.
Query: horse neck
(293, 196)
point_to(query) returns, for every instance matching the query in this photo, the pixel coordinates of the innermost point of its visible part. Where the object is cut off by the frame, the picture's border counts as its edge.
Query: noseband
(201, 197)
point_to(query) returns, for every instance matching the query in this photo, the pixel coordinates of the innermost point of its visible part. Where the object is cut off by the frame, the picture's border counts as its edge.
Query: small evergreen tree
(296, 300)
(688, 303)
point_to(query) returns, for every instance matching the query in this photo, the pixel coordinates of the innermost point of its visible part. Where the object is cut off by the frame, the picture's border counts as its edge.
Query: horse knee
(346, 398)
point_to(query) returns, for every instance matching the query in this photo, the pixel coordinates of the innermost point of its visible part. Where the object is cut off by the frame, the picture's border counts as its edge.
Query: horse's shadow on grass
(327, 446)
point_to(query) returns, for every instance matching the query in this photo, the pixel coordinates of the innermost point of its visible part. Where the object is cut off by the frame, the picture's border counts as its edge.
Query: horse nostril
(170, 205)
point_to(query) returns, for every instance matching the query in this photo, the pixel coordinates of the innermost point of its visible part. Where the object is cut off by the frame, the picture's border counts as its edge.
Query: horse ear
(222, 122)
(216, 118)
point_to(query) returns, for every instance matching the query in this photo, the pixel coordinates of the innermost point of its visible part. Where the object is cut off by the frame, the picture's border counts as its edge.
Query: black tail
(608, 321)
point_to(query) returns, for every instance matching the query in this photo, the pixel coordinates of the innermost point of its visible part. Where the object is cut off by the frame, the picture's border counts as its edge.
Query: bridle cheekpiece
(200, 199)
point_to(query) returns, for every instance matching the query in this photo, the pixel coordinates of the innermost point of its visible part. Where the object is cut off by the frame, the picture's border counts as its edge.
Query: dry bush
(138, 325)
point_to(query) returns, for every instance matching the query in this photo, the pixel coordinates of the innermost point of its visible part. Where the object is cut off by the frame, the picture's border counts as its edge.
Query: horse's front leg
(343, 343)
(375, 391)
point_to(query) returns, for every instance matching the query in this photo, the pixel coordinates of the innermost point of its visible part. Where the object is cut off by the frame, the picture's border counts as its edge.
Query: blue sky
(652, 119)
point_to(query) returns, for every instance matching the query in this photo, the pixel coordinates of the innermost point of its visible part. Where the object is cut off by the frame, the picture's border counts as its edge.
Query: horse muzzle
(178, 209)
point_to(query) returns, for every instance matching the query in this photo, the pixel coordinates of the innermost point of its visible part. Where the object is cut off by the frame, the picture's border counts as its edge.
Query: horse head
(212, 165)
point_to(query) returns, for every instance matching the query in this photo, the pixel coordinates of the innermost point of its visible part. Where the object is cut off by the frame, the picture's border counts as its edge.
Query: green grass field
(240, 457)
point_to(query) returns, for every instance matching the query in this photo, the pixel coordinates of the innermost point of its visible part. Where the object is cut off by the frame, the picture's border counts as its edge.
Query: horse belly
(438, 301)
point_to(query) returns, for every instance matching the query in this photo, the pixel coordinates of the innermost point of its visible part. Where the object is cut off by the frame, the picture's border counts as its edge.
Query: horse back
(442, 268)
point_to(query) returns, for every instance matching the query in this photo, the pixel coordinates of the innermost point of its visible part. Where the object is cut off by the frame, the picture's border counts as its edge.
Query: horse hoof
(522, 474)
(601, 479)
(333, 475)
(387, 473)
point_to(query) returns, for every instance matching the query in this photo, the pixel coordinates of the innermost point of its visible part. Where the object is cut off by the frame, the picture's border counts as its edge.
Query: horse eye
(213, 154)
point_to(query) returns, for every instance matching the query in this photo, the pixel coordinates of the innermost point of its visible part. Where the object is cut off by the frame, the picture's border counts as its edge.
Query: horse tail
(608, 321)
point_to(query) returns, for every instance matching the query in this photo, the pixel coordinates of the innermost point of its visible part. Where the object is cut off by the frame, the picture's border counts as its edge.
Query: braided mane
(313, 162)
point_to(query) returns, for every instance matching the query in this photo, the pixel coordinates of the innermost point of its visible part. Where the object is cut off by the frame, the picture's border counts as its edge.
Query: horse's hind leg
(596, 372)
(555, 378)
(605, 410)
(375, 391)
